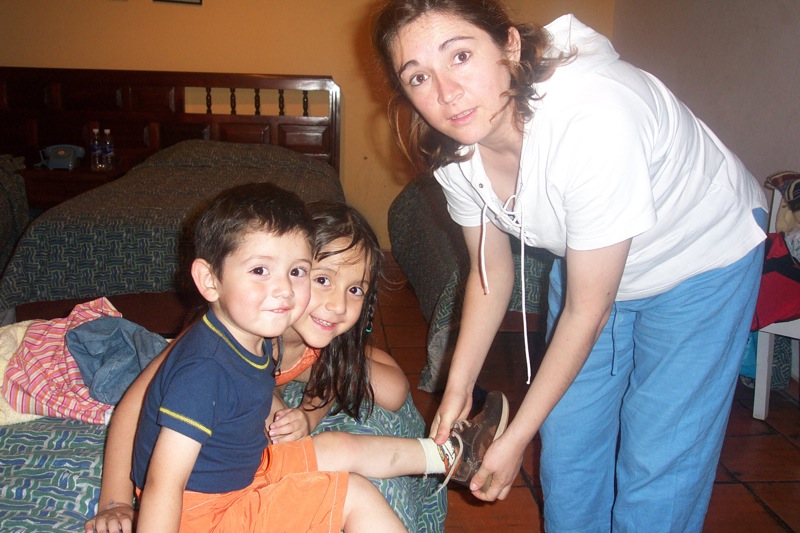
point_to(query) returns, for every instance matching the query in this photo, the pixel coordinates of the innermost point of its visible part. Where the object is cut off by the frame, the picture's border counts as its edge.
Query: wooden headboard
(150, 110)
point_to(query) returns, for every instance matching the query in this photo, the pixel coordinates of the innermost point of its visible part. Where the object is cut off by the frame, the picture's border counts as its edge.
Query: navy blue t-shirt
(217, 393)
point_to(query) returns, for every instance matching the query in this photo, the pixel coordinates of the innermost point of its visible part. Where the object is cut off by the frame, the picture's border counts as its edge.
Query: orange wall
(297, 37)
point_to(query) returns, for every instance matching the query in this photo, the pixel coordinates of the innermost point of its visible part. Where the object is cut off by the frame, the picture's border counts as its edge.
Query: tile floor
(758, 478)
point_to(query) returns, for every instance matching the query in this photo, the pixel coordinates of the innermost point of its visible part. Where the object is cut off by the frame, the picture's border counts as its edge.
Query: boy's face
(263, 287)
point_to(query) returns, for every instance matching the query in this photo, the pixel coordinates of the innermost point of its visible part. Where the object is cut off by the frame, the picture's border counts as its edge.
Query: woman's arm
(480, 319)
(115, 508)
(593, 278)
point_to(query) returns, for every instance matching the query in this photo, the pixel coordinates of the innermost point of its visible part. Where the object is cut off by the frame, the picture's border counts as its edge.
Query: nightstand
(46, 188)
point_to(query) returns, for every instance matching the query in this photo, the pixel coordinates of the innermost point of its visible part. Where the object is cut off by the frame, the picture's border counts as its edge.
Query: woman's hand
(498, 471)
(114, 518)
(455, 405)
(289, 425)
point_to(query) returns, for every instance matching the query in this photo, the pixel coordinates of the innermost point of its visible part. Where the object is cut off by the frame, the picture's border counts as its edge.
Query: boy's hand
(116, 517)
(289, 425)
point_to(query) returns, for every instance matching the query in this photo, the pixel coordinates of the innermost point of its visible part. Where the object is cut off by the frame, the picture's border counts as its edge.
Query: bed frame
(147, 110)
(150, 110)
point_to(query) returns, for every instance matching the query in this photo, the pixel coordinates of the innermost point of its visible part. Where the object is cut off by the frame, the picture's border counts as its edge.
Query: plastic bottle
(96, 151)
(108, 150)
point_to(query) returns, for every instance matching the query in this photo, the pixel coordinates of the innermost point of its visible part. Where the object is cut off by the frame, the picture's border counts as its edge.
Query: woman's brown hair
(424, 146)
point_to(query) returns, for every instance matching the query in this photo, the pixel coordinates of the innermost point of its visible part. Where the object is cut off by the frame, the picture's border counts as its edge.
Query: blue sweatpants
(634, 444)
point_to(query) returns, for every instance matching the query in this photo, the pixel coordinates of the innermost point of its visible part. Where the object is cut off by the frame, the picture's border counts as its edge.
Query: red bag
(779, 295)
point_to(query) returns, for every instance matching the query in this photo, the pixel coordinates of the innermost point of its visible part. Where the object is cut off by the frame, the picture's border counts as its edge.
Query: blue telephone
(63, 156)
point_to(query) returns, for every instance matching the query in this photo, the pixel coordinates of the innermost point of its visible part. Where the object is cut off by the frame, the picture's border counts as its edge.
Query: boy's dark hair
(229, 216)
(341, 373)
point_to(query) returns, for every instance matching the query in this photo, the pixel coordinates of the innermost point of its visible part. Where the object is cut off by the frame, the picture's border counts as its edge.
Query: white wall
(735, 63)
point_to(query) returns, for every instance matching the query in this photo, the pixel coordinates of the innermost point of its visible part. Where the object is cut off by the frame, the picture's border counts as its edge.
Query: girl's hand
(115, 518)
(454, 406)
(498, 471)
(289, 425)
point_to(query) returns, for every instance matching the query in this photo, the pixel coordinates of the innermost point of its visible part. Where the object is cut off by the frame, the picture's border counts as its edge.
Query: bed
(182, 137)
(430, 249)
(241, 126)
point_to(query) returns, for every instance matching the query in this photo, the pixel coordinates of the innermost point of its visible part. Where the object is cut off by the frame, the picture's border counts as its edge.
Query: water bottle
(96, 150)
(108, 150)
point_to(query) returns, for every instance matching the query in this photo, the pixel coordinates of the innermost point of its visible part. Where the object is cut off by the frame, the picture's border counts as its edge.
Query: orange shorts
(287, 494)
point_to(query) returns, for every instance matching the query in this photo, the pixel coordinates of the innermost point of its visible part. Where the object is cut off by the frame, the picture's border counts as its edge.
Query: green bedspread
(50, 470)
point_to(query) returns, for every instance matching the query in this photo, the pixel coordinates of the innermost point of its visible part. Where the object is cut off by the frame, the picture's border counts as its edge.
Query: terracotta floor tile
(518, 512)
(761, 458)
(733, 508)
(530, 462)
(741, 421)
(412, 360)
(783, 408)
(406, 336)
(784, 417)
(398, 297)
(402, 316)
(783, 498)
(723, 476)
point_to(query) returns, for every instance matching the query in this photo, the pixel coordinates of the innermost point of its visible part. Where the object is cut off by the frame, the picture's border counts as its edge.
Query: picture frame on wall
(193, 2)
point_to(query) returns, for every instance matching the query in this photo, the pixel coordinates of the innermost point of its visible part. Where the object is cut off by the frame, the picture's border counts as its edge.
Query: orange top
(306, 360)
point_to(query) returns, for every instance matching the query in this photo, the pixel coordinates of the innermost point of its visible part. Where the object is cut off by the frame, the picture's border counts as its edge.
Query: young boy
(201, 461)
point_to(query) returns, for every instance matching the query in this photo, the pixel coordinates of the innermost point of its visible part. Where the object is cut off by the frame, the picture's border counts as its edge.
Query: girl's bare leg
(369, 455)
(365, 509)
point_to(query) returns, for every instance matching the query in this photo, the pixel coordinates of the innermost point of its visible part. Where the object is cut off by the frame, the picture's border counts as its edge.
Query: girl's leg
(579, 437)
(689, 345)
(369, 455)
(365, 509)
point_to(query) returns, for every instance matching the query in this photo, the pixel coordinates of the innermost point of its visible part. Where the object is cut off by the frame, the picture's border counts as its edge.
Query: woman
(545, 134)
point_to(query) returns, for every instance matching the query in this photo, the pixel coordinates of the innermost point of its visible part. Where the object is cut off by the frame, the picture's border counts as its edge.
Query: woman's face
(450, 70)
(338, 289)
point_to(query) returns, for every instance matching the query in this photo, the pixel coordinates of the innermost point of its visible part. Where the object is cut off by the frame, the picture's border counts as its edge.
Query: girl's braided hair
(341, 373)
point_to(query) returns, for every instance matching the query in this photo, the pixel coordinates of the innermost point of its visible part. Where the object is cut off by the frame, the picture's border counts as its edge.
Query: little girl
(326, 366)
(335, 328)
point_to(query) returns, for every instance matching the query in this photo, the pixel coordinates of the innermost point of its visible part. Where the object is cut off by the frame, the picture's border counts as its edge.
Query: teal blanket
(51, 468)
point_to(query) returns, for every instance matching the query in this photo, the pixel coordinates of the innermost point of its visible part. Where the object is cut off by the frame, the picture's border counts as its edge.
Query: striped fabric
(43, 378)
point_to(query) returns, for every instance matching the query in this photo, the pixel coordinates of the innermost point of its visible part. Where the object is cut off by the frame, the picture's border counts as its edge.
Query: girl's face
(450, 70)
(338, 289)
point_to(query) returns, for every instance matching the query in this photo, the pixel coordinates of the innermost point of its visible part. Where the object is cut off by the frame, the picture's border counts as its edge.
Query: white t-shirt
(611, 154)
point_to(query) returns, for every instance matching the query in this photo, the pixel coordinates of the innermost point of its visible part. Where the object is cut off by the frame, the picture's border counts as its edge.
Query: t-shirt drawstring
(485, 279)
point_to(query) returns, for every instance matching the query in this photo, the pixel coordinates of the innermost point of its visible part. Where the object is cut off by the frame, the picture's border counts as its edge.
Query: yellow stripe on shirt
(186, 420)
(233, 347)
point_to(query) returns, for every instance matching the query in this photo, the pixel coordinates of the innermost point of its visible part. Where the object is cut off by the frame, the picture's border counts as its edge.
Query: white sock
(435, 456)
